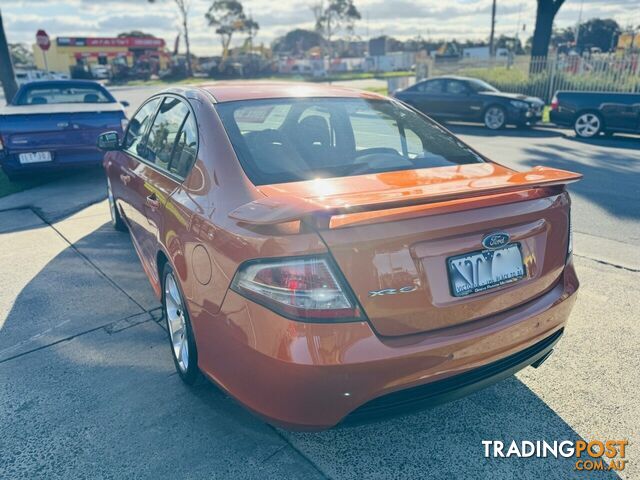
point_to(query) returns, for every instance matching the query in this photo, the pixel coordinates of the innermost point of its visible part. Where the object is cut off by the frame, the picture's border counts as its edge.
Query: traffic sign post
(42, 39)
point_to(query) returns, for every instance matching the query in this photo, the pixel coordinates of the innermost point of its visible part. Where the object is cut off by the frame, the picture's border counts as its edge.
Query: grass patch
(380, 90)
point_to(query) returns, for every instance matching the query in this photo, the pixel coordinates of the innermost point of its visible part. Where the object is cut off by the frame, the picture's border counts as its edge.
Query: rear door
(426, 96)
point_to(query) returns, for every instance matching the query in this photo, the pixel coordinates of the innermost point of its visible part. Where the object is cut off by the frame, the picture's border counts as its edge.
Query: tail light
(554, 103)
(302, 288)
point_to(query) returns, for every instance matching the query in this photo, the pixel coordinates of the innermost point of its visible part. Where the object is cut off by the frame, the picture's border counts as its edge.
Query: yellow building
(66, 53)
(625, 40)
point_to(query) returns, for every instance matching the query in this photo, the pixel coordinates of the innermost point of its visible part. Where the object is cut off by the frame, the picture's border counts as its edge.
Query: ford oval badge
(495, 240)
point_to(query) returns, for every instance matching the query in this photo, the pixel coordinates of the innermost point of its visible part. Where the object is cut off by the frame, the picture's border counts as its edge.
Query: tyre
(116, 219)
(181, 338)
(588, 125)
(495, 117)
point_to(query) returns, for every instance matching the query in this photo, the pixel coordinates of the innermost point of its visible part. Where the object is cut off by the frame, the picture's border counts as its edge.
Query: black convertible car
(471, 99)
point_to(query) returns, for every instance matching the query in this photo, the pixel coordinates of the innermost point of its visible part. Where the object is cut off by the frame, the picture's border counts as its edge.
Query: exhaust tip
(542, 359)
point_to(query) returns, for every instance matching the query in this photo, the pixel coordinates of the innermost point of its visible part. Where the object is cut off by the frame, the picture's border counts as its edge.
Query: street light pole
(492, 51)
(7, 77)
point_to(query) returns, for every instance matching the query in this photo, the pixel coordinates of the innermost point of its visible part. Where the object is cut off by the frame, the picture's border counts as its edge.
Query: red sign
(42, 39)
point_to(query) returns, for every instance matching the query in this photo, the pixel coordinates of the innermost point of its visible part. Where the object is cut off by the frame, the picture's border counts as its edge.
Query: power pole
(7, 77)
(492, 50)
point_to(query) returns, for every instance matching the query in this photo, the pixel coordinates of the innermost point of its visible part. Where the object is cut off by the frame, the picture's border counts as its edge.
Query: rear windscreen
(288, 140)
(38, 95)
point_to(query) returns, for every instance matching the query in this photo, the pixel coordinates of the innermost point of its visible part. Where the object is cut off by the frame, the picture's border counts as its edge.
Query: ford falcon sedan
(325, 254)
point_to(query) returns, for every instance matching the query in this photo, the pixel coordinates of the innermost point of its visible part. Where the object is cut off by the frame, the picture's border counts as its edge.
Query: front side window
(38, 95)
(335, 137)
(138, 127)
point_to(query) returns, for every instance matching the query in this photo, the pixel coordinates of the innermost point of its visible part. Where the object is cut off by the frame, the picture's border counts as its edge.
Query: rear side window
(185, 149)
(456, 88)
(164, 132)
(138, 127)
(431, 86)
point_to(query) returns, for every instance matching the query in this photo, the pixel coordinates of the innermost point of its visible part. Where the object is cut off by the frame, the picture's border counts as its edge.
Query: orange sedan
(326, 254)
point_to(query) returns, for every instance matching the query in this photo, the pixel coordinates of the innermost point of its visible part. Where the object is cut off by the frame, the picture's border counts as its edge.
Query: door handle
(152, 202)
(125, 178)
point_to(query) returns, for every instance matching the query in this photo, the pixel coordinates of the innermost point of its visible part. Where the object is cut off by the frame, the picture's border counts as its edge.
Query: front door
(125, 179)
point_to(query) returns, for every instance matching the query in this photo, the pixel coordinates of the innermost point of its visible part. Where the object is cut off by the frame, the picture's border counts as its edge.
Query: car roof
(251, 90)
(451, 77)
(64, 83)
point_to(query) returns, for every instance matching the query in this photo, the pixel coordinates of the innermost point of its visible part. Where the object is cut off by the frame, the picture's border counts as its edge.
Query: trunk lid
(394, 232)
(37, 131)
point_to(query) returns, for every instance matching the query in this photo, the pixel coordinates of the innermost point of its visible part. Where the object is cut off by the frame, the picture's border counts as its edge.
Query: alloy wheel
(588, 125)
(494, 118)
(176, 322)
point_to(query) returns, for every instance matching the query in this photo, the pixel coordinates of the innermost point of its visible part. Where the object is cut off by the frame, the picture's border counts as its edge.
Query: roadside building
(629, 41)
(69, 54)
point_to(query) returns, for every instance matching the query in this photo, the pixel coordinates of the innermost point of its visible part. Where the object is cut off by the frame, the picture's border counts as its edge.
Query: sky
(435, 19)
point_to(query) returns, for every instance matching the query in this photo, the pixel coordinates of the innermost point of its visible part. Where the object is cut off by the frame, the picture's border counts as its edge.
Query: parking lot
(88, 387)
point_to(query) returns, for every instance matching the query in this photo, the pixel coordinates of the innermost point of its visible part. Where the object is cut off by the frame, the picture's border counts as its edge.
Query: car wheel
(181, 339)
(116, 219)
(495, 117)
(588, 125)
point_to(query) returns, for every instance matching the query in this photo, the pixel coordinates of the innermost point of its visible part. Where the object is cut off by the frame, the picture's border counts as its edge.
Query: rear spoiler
(278, 209)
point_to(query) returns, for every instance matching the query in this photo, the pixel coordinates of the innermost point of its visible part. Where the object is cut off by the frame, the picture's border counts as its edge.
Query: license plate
(35, 157)
(485, 269)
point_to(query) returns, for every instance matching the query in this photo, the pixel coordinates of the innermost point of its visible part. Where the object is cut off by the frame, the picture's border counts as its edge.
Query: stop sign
(42, 39)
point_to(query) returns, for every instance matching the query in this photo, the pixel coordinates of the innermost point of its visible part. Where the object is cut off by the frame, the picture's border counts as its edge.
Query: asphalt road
(88, 389)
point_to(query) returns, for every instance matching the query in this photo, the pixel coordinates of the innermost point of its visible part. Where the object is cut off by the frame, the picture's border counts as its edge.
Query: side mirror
(124, 103)
(109, 141)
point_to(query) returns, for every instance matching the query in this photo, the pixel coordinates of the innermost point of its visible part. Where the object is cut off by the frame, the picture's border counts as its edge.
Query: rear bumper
(62, 159)
(454, 387)
(312, 376)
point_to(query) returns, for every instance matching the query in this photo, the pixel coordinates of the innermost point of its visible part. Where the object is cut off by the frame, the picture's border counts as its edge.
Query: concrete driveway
(88, 389)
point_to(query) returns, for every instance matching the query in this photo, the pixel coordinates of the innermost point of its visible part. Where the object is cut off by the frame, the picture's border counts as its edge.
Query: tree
(563, 36)
(297, 41)
(600, 33)
(135, 33)
(20, 54)
(229, 18)
(7, 77)
(336, 15)
(183, 8)
(545, 14)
